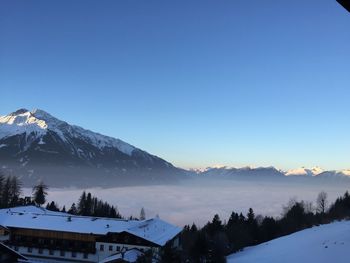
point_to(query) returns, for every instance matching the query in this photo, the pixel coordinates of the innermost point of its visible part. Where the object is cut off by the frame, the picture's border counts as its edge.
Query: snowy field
(322, 244)
(199, 201)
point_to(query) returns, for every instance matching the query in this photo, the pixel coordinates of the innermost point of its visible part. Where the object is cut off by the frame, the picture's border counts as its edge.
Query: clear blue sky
(198, 83)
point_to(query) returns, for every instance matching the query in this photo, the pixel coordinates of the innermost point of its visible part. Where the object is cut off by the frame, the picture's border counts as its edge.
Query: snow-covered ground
(323, 244)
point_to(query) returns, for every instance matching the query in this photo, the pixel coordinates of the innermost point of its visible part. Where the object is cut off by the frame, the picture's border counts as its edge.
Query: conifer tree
(14, 191)
(82, 204)
(6, 193)
(2, 180)
(250, 216)
(52, 207)
(40, 193)
(73, 210)
(142, 214)
(88, 204)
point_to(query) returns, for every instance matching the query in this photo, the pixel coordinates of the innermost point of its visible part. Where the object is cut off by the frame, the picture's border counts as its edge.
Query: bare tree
(308, 206)
(321, 202)
(289, 205)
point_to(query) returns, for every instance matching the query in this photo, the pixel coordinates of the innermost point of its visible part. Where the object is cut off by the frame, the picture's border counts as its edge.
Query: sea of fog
(198, 201)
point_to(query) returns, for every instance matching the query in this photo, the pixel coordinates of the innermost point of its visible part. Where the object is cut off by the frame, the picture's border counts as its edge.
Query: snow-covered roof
(31, 209)
(130, 255)
(154, 230)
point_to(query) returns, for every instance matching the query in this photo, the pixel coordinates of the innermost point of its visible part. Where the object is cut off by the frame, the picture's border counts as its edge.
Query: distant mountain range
(270, 172)
(37, 146)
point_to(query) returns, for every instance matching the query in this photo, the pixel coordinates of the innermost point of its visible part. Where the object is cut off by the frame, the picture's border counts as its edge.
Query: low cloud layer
(199, 201)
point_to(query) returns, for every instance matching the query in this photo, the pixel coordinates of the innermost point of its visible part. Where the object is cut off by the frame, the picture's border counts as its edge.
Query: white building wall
(4, 237)
(56, 255)
(113, 248)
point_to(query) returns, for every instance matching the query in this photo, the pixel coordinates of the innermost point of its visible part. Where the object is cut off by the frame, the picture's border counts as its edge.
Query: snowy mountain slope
(244, 171)
(322, 244)
(37, 123)
(21, 122)
(36, 145)
(305, 171)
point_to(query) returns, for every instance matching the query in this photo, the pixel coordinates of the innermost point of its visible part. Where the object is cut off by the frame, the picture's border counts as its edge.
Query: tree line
(88, 205)
(217, 239)
(10, 192)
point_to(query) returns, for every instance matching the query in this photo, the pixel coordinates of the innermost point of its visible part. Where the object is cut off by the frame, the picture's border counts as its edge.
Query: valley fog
(198, 200)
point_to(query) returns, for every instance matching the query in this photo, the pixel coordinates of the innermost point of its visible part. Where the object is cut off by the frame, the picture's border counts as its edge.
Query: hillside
(321, 244)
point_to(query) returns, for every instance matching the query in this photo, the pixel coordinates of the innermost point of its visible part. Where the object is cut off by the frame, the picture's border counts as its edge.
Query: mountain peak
(37, 123)
(18, 112)
(305, 171)
(51, 121)
(21, 122)
(41, 113)
(34, 140)
(38, 113)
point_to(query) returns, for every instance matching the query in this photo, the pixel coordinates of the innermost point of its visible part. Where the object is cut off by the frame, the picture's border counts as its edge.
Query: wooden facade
(125, 238)
(48, 239)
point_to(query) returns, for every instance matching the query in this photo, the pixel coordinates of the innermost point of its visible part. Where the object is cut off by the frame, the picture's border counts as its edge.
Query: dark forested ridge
(217, 239)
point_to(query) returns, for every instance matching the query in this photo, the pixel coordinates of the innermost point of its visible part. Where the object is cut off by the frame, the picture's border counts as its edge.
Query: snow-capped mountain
(243, 171)
(318, 172)
(346, 172)
(305, 171)
(36, 145)
(36, 124)
(334, 174)
(271, 172)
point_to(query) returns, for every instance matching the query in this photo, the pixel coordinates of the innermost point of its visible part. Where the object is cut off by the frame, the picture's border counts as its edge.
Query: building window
(85, 255)
(118, 248)
(29, 250)
(110, 248)
(74, 254)
(51, 252)
(62, 253)
(102, 247)
(40, 250)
